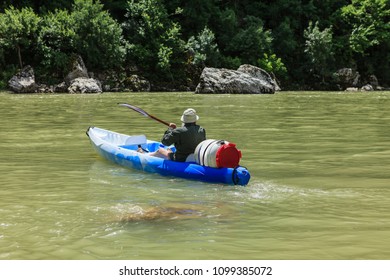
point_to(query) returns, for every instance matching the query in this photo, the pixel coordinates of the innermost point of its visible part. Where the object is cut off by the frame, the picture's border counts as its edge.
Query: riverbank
(247, 79)
(350, 91)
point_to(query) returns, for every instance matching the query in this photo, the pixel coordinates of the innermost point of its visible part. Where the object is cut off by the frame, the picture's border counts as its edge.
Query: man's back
(185, 139)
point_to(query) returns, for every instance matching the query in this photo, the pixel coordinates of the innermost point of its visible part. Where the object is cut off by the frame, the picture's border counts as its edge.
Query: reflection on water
(319, 188)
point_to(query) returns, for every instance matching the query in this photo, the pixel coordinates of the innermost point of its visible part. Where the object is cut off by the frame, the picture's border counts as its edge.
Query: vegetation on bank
(303, 42)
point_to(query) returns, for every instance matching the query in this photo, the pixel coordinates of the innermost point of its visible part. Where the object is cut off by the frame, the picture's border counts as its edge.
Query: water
(320, 186)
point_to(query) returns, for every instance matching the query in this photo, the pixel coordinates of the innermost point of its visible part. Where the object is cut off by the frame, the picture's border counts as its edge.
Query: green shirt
(185, 139)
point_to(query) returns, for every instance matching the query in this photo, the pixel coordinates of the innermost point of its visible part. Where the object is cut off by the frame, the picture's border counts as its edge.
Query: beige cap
(189, 116)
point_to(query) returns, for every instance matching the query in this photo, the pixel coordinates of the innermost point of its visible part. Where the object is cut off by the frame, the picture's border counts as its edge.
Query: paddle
(142, 112)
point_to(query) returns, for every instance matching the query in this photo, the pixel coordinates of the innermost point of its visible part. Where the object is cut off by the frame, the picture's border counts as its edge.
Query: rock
(85, 85)
(260, 74)
(43, 88)
(78, 71)
(107, 87)
(220, 80)
(160, 213)
(347, 78)
(61, 88)
(373, 81)
(367, 87)
(137, 83)
(352, 89)
(24, 81)
(79, 81)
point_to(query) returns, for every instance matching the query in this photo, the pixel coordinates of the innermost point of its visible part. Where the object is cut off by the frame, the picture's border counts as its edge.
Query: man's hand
(172, 125)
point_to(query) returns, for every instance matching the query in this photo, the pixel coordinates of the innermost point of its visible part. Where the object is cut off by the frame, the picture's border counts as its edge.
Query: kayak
(123, 149)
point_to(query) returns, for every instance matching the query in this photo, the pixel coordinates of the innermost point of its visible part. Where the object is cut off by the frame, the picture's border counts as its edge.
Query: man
(184, 138)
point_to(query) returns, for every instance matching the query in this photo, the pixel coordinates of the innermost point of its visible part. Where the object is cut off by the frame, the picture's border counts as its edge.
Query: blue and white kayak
(122, 149)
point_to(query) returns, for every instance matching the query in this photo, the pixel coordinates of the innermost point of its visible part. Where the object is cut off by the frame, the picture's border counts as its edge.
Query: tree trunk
(19, 57)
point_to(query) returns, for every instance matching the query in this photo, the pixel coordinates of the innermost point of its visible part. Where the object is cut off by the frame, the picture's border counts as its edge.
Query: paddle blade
(135, 108)
(142, 112)
(136, 140)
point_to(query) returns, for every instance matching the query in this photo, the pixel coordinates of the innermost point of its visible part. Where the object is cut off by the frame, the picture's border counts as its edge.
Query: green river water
(320, 185)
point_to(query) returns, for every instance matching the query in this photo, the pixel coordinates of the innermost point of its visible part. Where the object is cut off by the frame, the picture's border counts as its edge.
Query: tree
(370, 23)
(38, 6)
(203, 48)
(56, 42)
(250, 42)
(273, 64)
(155, 40)
(88, 31)
(98, 37)
(318, 47)
(157, 36)
(18, 30)
(225, 27)
(194, 15)
(117, 8)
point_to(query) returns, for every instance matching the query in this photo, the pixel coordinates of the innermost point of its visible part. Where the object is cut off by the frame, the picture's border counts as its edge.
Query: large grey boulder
(221, 80)
(347, 78)
(78, 80)
(85, 85)
(78, 70)
(24, 81)
(259, 73)
(137, 84)
(373, 81)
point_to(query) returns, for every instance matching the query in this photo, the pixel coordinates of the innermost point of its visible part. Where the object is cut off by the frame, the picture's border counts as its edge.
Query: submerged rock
(161, 213)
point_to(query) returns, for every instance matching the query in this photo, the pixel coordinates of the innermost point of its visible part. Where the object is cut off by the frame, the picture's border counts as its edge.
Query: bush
(55, 43)
(273, 64)
(318, 47)
(202, 49)
(250, 42)
(155, 43)
(18, 30)
(97, 36)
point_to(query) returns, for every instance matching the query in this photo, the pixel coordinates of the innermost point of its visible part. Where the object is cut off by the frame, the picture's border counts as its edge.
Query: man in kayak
(185, 138)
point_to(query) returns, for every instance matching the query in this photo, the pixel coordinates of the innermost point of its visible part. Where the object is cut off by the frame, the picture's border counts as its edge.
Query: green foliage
(51, 39)
(171, 41)
(155, 42)
(98, 37)
(39, 6)
(192, 15)
(203, 48)
(273, 64)
(370, 22)
(319, 49)
(18, 29)
(6, 74)
(367, 25)
(250, 42)
(56, 43)
(116, 8)
(240, 40)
